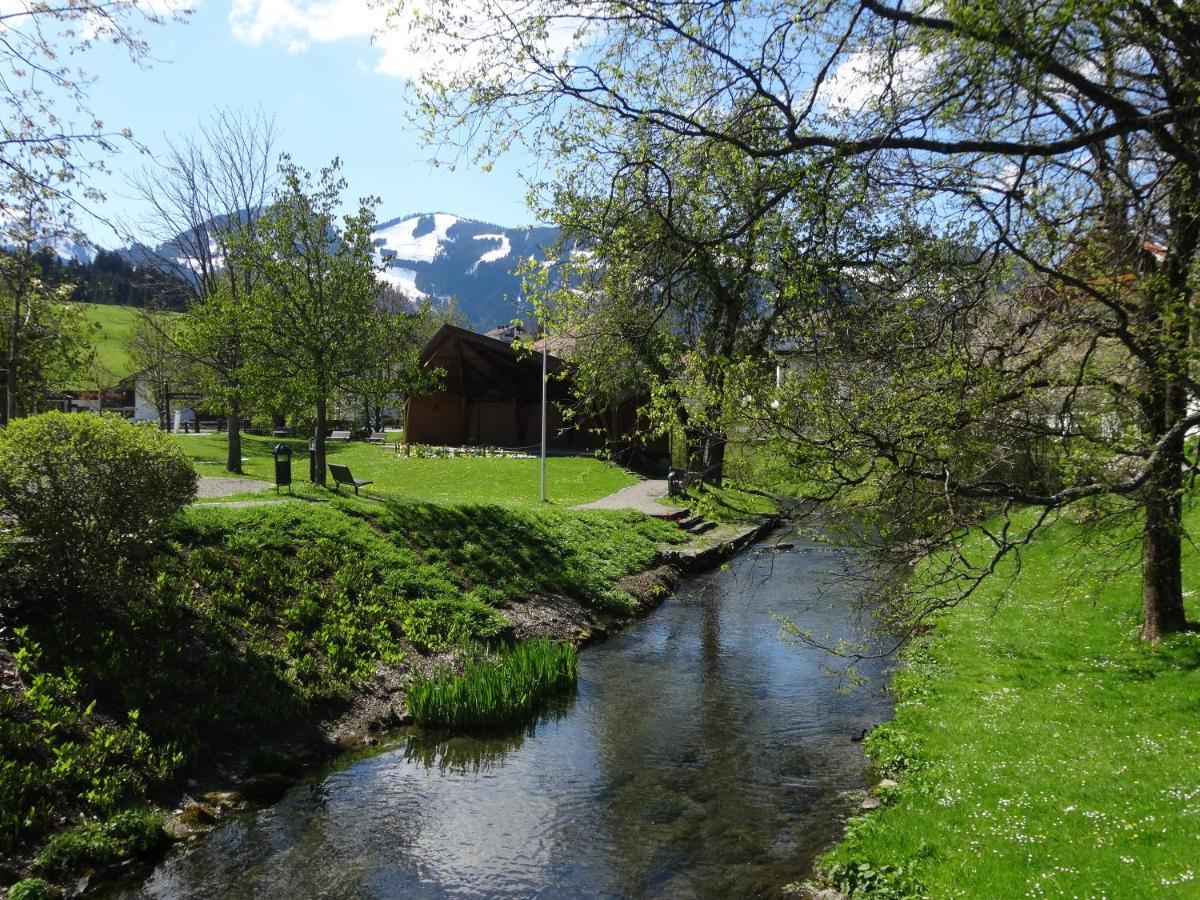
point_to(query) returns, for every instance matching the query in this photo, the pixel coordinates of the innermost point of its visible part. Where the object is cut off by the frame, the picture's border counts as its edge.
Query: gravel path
(212, 486)
(641, 496)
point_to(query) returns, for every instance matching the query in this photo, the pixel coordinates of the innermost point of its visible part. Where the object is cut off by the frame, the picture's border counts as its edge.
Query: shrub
(502, 689)
(132, 833)
(33, 889)
(91, 493)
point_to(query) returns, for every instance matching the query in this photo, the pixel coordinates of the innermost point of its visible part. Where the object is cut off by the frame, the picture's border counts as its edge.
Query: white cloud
(862, 78)
(297, 24)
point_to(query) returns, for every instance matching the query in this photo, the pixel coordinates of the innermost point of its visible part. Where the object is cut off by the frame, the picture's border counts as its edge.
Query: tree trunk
(1170, 317)
(233, 452)
(10, 375)
(319, 443)
(714, 454)
(1162, 577)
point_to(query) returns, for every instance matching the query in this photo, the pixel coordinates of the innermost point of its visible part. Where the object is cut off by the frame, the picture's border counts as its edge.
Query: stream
(702, 756)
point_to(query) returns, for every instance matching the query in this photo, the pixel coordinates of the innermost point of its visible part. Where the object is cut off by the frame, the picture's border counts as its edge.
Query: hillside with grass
(1040, 749)
(114, 327)
(259, 629)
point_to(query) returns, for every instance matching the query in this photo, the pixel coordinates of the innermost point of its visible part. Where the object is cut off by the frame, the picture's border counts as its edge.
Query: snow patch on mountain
(69, 249)
(490, 256)
(402, 242)
(403, 280)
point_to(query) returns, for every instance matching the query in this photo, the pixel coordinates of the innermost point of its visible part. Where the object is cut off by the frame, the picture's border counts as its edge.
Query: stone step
(702, 526)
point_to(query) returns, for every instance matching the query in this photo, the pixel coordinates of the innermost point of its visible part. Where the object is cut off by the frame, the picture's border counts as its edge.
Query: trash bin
(283, 465)
(674, 483)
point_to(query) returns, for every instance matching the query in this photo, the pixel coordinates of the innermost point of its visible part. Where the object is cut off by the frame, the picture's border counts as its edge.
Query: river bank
(1039, 747)
(701, 755)
(276, 637)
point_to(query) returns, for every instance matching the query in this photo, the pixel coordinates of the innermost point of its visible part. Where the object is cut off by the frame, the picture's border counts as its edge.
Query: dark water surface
(701, 757)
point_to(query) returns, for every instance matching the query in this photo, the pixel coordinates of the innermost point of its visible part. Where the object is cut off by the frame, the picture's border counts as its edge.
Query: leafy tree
(155, 351)
(46, 341)
(671, 267)
(315, 320)
(41, 148)
(392, 372)
(1059, 143)
(205, 197)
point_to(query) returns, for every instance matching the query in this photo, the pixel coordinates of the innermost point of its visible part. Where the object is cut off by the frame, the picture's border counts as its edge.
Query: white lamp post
(545, 378)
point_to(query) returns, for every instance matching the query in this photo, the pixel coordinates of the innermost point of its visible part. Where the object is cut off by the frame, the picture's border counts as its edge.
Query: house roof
(483, 341)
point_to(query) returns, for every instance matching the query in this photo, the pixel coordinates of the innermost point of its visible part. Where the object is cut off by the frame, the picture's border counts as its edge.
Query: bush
(33, 889)
(132, 833)
(91, 493)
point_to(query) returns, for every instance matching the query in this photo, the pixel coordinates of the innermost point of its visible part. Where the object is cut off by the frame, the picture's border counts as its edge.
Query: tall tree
(160, 363)
(39, 76)
(46, 342)
(675, 267)
(1059, 142)
(315, 314)
(391, 372)
(205, 196)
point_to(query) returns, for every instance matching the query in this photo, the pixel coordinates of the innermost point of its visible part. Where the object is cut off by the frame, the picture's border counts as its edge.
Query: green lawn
(1042, 750)
(116, 327)
(572, 480)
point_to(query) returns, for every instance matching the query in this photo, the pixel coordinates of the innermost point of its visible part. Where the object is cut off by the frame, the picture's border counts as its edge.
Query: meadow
(116, 325)
(1041, 749)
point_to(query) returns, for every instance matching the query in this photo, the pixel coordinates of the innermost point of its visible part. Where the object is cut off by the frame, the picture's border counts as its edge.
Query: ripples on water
(702, 756)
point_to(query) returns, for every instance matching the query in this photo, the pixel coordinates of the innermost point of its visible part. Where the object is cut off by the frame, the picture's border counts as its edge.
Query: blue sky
(333, 93)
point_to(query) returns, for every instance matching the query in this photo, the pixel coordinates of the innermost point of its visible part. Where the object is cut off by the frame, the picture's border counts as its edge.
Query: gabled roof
(489, 344)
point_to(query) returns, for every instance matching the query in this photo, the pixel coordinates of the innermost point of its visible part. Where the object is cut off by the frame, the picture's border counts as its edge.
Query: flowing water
(702, 756)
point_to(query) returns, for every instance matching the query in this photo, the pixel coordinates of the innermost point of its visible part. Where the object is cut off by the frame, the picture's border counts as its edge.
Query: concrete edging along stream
(716, 546)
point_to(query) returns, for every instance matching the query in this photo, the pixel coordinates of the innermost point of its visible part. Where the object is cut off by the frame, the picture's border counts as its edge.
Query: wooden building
(492, 396)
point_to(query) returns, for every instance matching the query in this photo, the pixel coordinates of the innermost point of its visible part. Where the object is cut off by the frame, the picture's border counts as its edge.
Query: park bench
(281, 432)
(340, 436)
(341, 475)
(378, 437)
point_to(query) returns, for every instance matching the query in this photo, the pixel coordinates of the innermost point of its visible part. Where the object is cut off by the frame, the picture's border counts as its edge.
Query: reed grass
(501, 688)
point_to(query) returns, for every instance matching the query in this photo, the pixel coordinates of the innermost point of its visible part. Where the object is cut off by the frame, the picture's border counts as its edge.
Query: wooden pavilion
(492, 394)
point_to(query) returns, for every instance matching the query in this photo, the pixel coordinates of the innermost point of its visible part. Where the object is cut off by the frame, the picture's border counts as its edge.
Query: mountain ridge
(436, 256)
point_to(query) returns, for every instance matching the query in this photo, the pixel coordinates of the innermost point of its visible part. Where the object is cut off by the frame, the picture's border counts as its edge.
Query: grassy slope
(572, 480)
(116, 327)
(1041, 748)
(257, 621)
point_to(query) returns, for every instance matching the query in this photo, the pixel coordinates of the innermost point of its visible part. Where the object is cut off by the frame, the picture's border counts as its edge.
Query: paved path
(213, 486)
(641, 496)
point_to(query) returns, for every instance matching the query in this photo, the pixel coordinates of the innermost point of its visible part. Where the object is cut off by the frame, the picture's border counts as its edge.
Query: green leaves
(501, 688)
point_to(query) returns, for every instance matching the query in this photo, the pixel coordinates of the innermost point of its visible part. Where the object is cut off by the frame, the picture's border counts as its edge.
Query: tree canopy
(1010, 280)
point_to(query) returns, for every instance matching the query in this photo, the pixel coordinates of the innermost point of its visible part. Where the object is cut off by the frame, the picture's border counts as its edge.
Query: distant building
(492, 396)
(131, 397)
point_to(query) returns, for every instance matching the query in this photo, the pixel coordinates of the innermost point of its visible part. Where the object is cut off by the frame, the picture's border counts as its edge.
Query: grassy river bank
(269, 636)
(1040, 749)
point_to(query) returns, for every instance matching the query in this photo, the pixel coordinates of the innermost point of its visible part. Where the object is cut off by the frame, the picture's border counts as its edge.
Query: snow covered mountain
(440, 256)
(434, 256)
(70, 250)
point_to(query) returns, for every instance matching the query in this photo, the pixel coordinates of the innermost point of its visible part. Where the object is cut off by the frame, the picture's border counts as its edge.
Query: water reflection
(702, 757)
